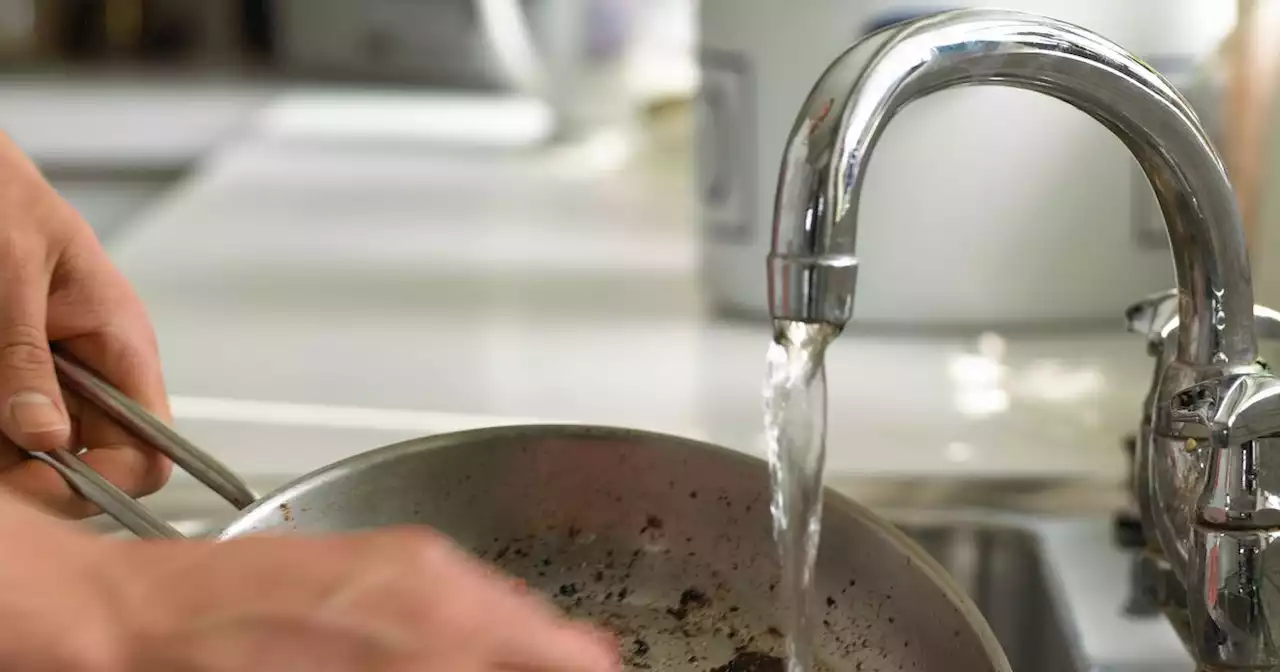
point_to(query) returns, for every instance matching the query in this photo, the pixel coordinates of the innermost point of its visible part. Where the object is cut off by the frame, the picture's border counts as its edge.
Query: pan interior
(665, 541)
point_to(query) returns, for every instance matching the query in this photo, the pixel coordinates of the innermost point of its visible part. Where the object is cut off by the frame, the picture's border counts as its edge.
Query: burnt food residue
(753, 662)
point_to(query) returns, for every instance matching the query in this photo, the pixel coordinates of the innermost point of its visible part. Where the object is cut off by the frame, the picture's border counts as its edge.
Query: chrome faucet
(1210, 443)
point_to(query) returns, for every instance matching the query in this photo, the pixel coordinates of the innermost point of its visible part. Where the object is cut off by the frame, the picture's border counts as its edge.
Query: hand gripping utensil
(79, 379)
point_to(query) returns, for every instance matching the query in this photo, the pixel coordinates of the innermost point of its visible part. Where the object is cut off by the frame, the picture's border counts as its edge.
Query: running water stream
(795, 396)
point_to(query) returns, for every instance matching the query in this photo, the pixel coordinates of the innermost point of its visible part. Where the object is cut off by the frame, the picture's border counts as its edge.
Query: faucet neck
(812, 267)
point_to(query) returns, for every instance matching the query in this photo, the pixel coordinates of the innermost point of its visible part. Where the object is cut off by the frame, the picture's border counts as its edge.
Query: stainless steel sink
(1004, 570)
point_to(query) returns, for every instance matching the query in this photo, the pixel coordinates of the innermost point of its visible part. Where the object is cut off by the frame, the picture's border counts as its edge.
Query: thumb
(34, 415)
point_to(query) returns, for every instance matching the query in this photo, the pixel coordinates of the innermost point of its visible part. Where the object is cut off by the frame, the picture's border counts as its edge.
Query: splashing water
(795, 401)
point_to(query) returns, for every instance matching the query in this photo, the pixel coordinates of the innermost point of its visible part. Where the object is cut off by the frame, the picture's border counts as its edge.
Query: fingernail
(35, 413)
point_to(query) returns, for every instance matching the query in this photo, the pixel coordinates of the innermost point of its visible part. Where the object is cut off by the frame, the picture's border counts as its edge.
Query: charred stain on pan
(699, 625)
(651, 522)
(654, 584)
(690, 598)
(753, 662)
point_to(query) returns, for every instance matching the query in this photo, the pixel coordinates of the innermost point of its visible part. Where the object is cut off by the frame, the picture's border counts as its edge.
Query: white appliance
(983, 207)
(442, 42)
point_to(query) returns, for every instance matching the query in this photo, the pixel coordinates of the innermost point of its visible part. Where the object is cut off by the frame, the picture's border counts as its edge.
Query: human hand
(391, 600)
(57, 284)
(385, 601)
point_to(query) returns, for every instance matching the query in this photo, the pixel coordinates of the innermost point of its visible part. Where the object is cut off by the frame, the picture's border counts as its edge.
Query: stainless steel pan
(665, 540)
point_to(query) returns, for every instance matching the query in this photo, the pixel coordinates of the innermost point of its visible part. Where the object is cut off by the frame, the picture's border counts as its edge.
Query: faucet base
(1232, 611)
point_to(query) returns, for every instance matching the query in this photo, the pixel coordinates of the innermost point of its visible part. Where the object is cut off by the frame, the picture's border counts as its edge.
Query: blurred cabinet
(18, 28)
(134, 30)
(439, 41)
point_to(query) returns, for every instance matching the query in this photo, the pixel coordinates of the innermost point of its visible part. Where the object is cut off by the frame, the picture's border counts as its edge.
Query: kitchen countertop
(121, 123)
(114, 124)
(351, 279)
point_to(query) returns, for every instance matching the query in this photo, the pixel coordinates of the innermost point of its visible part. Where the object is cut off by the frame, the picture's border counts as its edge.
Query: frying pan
(664, 540)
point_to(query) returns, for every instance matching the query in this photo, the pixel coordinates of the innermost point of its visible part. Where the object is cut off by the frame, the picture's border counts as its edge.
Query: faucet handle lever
(1229, 410)
(1239, 417)
(1153, 317)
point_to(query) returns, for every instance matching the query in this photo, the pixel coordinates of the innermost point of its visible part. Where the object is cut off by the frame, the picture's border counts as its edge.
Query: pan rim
(930, 567)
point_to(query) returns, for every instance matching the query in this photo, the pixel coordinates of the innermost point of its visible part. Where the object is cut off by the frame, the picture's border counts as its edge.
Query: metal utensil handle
(139, 422)
(158, 435)
(115, 502)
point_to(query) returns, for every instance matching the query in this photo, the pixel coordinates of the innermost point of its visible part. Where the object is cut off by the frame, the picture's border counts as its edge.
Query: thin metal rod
(155, 433)
(112, 500)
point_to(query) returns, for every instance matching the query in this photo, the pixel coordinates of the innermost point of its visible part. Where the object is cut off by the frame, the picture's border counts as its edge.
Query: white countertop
(351, 279)
(115, 123)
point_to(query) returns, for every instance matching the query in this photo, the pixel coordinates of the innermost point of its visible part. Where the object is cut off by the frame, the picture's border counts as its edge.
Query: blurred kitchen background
(361, 220)
(368, 219)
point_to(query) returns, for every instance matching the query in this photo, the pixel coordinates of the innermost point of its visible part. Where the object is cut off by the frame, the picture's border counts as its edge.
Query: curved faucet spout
(813, 264)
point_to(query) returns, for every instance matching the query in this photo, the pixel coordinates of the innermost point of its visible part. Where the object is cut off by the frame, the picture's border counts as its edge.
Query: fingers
(265, 642)
(10, 453)
(120, 346)
(101, 322)
(109, 450)
(390, 600)
(119, 456)
(39, 482)
(530, 635)
(57, 283)
(473, 606)
(33, 414)
(562, 647)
